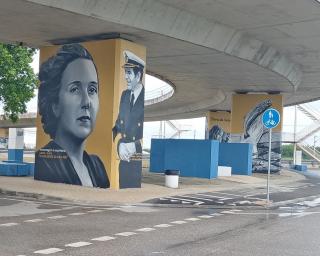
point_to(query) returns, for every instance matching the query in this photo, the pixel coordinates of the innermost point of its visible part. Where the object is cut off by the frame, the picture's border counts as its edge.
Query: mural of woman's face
(78, 103)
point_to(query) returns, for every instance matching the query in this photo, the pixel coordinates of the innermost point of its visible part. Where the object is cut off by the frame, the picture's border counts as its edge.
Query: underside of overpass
(207, 49)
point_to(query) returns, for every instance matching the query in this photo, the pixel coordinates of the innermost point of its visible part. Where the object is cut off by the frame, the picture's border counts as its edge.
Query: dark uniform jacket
(130, 123)
(53, 164)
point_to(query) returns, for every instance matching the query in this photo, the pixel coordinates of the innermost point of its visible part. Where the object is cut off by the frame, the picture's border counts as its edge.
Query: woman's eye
(93, 90)
(74, 89)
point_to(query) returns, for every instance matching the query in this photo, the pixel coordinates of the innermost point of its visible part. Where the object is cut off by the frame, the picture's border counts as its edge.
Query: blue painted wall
(238, 156)
(193, 158)
(15, 155)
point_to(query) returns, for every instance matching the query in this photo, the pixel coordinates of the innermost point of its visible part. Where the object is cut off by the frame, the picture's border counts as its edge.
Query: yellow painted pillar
(247, 127)
(216, 123)
(109, 59)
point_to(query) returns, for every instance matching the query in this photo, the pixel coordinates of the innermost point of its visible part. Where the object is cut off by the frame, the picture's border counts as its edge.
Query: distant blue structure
(193, 158)
(301, 167)
(15, 166)
(199, 158)
(238, 156)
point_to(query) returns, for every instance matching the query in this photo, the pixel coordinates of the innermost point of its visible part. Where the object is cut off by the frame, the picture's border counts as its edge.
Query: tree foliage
(17, 79)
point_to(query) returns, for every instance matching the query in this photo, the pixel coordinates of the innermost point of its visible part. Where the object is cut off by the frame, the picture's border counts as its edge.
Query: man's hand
(126, 150)
(124, 153)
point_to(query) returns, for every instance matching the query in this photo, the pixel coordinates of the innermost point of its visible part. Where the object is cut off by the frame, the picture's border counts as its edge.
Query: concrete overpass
(208, 49)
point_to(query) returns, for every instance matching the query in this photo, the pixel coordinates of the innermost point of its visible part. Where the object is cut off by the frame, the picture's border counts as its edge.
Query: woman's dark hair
(50, 75)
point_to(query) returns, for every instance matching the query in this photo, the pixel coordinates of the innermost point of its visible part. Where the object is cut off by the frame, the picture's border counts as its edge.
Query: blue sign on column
(271, 118)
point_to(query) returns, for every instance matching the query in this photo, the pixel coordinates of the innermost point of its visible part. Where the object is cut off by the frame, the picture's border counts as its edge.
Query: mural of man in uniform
(129, 124)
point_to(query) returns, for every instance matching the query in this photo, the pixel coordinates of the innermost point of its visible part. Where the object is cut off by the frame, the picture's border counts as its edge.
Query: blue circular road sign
(271, 118)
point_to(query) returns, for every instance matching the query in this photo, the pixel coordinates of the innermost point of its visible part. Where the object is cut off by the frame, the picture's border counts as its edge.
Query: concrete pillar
(109, 57)
(15, 144)
(247, 127)
(220, 120)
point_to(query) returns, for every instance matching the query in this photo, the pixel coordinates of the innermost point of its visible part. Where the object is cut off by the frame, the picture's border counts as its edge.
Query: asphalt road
(54, 228)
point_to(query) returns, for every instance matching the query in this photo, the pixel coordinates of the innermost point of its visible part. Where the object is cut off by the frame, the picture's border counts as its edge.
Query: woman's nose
(85, 100)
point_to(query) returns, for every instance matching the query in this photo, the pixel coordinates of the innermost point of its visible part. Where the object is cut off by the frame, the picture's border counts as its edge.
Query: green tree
(17, 79)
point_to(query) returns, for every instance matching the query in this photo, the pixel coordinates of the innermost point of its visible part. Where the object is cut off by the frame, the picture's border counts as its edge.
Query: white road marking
(227, 194)
(229, 212)
(126, 234)
(216, 214)
(179, 222)
(103, 238)
(205, 216)
(198, 198)
(33, 220)
(49, 251)
(95, 211)
(10, 224)
(187, 200)
(192, 219)
(145, 229)
(57, 217)
(218, 197)
(162, 226)
(78, 244)
(114, 208)
(236, 210)
(77, 213)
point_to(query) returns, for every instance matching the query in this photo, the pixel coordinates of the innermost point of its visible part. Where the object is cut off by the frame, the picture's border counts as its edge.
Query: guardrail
(158, 95)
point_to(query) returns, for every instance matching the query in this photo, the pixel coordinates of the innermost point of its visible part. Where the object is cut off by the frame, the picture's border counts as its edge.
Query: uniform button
(121, 121)
(134, 138)
(124, 135)
(139, 124)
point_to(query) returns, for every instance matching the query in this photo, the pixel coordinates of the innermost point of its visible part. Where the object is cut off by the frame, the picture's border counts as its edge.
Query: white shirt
(136, 92)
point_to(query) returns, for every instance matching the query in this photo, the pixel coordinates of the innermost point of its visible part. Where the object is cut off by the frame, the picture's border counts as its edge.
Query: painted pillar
(4, 135)
(110, 58)
(15, 144)
(218, 125)
(247, 127)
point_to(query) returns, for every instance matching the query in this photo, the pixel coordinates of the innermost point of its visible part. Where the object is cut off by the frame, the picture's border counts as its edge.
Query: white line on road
(10, 224)
(78, 244)
(192, 219)
(187, 200)
(33, 220)
(95, 211)
(218, 197)
(145, 229)
(162, 226)
(228, 212)
(103, 238)
(216, 214)
(126, 234)
(49, 251)
(56, 217)
(198, 198)
(205, 216)
(77, 213)
(179, 222)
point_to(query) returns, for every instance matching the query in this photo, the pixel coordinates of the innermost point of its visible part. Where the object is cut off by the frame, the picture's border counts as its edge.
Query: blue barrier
(238, 156)
(199, 158)
(193, 158)
(301, 167)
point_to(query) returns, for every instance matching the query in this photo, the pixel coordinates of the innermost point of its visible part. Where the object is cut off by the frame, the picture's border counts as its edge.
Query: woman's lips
(84, 118)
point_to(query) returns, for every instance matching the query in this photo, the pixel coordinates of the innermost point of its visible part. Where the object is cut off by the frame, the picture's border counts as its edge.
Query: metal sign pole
(269, 166)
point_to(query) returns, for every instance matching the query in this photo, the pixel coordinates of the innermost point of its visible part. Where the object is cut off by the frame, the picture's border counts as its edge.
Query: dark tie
(131, 101)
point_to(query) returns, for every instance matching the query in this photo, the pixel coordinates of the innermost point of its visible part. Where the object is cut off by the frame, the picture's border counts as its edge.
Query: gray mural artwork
(129, 124)
(217, 133)
(68, 103)
(256, 134)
